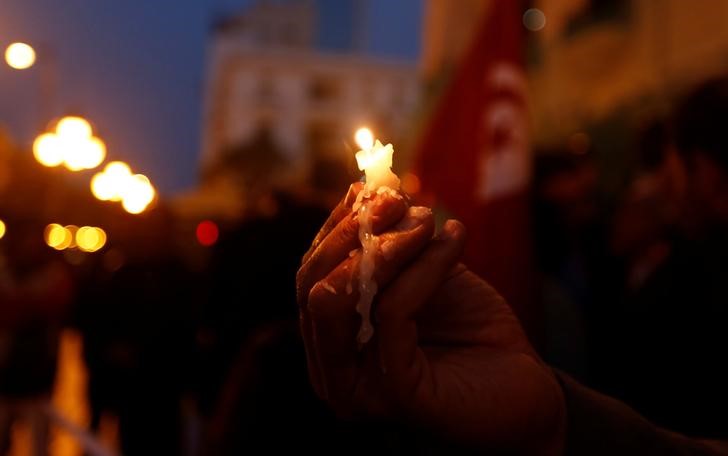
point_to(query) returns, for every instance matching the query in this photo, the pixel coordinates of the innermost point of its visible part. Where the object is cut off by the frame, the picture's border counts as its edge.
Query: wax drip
(367, 285)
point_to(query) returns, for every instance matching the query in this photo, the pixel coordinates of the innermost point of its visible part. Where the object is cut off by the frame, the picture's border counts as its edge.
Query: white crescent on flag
(504, 161)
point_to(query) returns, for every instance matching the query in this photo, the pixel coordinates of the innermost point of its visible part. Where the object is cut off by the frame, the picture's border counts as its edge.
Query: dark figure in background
(569, 235)
(253, 371)
(36, 291)
(138, 340)
(253, 374)
(676, 315)
(647, 218)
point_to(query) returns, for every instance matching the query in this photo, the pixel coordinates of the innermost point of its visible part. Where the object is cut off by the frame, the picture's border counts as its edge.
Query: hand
(448, 354)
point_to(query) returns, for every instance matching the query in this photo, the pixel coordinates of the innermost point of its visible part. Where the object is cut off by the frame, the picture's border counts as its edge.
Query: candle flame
(364, 138)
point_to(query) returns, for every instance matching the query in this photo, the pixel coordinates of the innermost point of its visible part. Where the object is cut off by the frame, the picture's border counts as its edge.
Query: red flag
(474, 158)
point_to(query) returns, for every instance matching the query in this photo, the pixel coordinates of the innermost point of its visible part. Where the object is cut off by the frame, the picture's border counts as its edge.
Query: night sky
(135, 68)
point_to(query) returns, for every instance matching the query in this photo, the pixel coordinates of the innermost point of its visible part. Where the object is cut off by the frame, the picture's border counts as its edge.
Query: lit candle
(375, 160)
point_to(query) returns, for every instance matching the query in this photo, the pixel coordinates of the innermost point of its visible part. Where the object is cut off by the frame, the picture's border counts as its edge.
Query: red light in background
(207, 233)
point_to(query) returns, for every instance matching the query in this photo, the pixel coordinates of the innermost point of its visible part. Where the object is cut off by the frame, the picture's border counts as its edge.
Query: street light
(90, 238)
(20, 56)
(137, 195)
(86, 238)
(117, 183)
(58, 236)
(71, 143)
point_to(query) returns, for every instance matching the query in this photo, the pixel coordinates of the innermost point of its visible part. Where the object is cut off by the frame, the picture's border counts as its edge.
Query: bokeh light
(72, 153)
(2, 229)
(137, 194)
(107, 185)
(85, 238)
(207, 233)
(90, 238)
(364, 138)
(57, 236)
(47, 150)
(72, 230)
(118, 174)
(411, 183)
(117, 183)
(93, 153)
(74, 127)
(71, 143)
(20, 56)
(117, 168)
(534, 19)
(102, 187)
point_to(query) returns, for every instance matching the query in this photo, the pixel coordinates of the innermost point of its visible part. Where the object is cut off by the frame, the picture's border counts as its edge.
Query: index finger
(340, 211)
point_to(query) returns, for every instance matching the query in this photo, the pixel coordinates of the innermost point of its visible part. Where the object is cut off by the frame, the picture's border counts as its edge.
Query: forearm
(600, 425)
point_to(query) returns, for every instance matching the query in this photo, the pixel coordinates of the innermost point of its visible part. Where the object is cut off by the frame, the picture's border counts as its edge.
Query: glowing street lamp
(87, 238)
(20, 56)
(2, 229)
(138, 194)
(58, 236)
(47, 150)
(117, 183)
(74, 127)
(90, 238)
(72, 144)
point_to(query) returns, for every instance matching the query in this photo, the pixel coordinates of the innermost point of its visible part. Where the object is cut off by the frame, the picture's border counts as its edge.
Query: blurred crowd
(633, 284)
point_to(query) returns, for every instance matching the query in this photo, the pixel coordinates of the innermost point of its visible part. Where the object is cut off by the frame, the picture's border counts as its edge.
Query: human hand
(448, 354)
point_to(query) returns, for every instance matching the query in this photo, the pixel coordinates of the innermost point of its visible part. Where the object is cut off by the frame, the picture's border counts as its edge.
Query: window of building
(266, 89)
(322, 88)
(596, 12)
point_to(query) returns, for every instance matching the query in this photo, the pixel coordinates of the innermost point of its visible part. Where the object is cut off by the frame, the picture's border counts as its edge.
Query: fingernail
(381, 200)
(449, 230)
(384, 209)
(415, 217)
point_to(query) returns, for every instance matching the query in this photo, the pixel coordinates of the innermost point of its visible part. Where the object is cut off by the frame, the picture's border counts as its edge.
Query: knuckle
(349, 228)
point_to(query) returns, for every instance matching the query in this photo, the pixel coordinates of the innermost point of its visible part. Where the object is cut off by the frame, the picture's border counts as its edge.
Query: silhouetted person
(255, 389)
(677, 317)
(138, 339)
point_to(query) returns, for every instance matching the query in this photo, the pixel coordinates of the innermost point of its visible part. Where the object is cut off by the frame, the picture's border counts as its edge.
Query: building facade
(276, 105)
(595, 57)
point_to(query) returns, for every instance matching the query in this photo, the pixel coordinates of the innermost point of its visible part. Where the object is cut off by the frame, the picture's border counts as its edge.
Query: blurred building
(448, 28)
(594, 58)
(278, 110)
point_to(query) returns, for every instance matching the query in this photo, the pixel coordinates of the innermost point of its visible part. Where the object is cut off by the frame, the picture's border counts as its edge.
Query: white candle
(375, 160)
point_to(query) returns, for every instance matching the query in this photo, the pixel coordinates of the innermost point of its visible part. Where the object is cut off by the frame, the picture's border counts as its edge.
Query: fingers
(340, 211)
(343, 238)
(402, 362)
(333, 300)
(338, 237)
